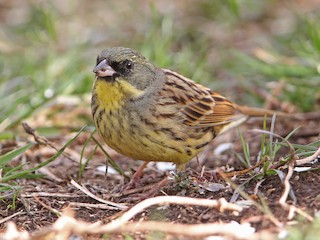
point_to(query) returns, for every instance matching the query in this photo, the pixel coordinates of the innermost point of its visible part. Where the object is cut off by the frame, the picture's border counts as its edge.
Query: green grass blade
(82, 166)
(112, 162)
(246, 149)
(234, 7)
(4, 159)
(26, 173)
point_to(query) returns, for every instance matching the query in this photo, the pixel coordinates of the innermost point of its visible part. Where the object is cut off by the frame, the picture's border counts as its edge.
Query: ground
(38, 197)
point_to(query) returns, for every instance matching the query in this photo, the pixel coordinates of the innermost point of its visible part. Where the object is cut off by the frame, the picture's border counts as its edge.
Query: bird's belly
(133, 138)
(138, 143)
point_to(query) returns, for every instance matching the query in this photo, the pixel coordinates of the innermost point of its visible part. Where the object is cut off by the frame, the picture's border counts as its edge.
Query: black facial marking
(123, 68)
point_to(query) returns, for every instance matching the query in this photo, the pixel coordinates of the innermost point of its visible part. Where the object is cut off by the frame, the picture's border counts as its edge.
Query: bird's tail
(260, 112)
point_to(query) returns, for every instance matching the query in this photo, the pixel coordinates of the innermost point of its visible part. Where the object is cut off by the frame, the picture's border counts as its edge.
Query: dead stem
(308, 159)
(55, 211)
(44, 141)
(287, 187)
(87, 192)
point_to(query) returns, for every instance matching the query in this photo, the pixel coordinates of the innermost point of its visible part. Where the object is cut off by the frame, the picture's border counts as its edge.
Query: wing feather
(198, 105)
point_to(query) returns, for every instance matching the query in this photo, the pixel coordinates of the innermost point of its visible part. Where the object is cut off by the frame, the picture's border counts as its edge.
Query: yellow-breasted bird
(153, 114)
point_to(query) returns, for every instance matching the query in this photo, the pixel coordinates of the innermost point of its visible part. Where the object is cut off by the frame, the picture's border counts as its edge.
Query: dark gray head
(119, 63)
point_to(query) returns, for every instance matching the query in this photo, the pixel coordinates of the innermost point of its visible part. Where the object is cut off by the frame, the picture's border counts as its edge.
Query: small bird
(153, 114)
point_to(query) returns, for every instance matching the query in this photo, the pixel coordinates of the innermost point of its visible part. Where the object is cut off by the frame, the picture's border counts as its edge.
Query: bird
(157, 115)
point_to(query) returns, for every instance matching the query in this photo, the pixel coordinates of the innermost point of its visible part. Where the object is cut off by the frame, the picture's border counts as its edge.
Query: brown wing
(199, 106)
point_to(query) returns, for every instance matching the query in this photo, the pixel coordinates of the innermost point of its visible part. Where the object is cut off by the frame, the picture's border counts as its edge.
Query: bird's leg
(136, 177)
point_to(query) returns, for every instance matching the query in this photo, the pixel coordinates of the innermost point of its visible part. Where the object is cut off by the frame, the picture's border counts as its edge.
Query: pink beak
(103, 69)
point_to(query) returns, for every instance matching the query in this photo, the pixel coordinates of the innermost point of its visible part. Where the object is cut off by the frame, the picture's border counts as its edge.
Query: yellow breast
(111, 95)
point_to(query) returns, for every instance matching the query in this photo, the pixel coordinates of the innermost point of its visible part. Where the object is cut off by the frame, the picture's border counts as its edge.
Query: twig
(67, 224)
(236, 231)
(286, 184)
(87, 192)
(220, 204)
(3, 220)
(256, 188)
(306, 133)
(291, 208)
(89, 205)
(308, 116)
(245, 171)
(42, 140)
(308, 159)
(47, 194)
(55, 211)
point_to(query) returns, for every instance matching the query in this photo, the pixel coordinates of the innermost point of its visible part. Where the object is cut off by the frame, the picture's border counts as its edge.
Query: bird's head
(120, 64)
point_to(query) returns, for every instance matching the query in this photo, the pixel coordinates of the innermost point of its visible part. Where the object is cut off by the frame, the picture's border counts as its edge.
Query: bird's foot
(135, 179)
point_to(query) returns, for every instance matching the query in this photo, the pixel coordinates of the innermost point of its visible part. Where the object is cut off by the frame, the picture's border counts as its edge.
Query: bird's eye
(128, 64)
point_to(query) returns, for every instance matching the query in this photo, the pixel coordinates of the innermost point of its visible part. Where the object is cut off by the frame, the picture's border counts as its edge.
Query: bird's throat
(112, 95)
